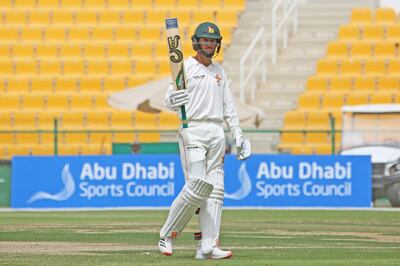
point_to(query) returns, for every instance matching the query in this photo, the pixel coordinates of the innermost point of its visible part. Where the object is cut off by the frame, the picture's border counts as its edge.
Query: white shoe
(215, 254)
(165, 246)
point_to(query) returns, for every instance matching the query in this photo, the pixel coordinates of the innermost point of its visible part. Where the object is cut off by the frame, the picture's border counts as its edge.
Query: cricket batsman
(208, 102)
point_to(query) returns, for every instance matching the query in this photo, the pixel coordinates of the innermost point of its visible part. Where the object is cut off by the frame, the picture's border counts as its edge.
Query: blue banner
(155, 181)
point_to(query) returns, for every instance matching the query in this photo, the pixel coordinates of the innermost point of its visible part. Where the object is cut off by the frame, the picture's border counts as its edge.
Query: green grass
(256, 237)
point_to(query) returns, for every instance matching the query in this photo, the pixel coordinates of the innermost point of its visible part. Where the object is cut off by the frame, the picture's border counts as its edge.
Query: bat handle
(184, 118)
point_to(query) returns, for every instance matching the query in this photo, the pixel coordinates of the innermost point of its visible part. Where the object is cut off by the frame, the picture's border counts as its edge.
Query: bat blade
(176, 60)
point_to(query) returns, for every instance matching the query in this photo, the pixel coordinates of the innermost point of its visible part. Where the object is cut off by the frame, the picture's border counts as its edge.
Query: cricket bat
(176, 60)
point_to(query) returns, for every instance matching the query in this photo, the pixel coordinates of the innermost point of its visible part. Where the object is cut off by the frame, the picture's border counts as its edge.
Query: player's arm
(231, 117)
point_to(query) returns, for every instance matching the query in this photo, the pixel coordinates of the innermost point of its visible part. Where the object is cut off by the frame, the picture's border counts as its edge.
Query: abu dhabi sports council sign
(155, 180)
(95, 181)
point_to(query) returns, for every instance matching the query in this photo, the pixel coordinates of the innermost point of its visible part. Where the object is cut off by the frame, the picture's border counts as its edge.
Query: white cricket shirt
(210, 98)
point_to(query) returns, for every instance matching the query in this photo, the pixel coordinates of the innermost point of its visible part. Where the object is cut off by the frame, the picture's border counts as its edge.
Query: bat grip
(184, 118)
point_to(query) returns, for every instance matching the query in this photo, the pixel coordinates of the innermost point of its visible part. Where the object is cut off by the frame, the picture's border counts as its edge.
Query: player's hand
(243, 148)
(178, 98)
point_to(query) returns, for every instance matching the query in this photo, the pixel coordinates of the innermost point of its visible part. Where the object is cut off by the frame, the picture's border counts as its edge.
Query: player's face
(208, 45)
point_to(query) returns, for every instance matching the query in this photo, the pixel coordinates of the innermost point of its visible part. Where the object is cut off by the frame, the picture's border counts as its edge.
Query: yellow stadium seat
(337, 115)
(70, 67)
(199, 17)
(133, 18)
(188, 4)
(68, 51)
(341, 84)
(33, 102)
(96, 149)
(156, 17)
(302, 149)
(78, 34)
(110, 17)
(25, 3)
(7, 138)
(142, 4)
(384, 49)
(149, 33)
(55, 34)
(97, 120)
(227, 18)
(394, 66)
(100, 139)
(124, 137)
(361, 49)
(66, 85)
(123, 50)
(51, 4)
(47, 67)
(124, 33)
(393, 32)
(365, 84)
(122, 67)
(71, 120)
(317, 137)
(95, 4)
(168, 120)
(6, 50)
(75, 138)
(42, 149)
(388, 83)
(357, 98)
(234, 4)
(27, 68)
(24, 120)
(22, 51)
(373, 32)
(361, 16)
(375, 67)
(148, 137)
(294, 120)
(29, 34)
(292, 138)
(211, 4)
(102, 34)
(114, 84)
(72, 4)
(17, 86)
(165, 4)
(97, 67)
(337, 50)
(385, 16)
(101, 102)
(18, 150)
(45, 120)
(7, 67)
(382, 97)
(327, 67)
(38, 17)
(161, 50)
(9, 34)
(94, 50)
(44, 51)
(119, 4)
(333, 101)
(27, 138)
(57, 102)
(184, 17)
(89, 84)
(122, 120)
(144, 50)
(316, 84)
(309, 101)
(82, 102)
(145, 67)
(10, 102)
(318, 120)
(163, 67)
(62, 17)
(349, 32)
(14, 18)
(350, 67)
(145, 120)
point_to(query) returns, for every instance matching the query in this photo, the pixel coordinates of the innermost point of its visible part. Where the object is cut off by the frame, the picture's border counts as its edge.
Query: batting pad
(210, 213)
(193, 194)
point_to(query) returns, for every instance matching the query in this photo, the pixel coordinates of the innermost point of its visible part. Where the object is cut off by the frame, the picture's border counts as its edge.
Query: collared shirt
(210, 98)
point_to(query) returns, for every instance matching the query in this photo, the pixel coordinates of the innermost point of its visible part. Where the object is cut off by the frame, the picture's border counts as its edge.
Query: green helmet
(206, 30)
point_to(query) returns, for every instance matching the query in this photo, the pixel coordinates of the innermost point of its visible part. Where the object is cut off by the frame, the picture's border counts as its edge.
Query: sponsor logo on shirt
(199, 77)
(218, 78)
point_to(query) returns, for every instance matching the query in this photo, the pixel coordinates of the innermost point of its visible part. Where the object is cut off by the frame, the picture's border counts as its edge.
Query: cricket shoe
(165, 246)
(215, 254)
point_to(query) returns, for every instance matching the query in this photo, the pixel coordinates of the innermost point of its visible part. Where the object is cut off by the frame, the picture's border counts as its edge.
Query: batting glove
(178, 98)
(243, 148)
